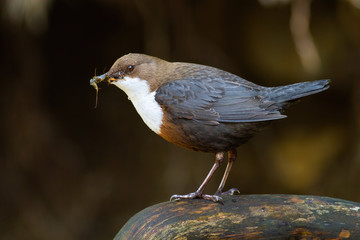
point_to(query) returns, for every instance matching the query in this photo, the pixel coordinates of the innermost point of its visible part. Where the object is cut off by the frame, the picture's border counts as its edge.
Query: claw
(229, 192)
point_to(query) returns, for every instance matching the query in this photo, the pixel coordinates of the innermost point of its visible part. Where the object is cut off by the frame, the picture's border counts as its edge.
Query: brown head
(133, 65)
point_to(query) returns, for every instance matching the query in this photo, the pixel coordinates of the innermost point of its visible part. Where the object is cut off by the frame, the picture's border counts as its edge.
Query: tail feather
(295, 91)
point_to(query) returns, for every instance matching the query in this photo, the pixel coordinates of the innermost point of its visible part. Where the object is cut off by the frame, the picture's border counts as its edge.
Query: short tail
(295, 91)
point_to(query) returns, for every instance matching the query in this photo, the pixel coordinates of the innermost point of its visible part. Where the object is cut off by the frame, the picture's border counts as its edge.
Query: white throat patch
(138, 91)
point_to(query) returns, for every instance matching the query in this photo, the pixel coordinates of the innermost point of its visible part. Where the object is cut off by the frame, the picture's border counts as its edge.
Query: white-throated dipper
(201, 108)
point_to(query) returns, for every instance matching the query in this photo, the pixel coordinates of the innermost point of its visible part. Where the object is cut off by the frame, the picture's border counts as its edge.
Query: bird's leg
(231, 159)
(199, 193)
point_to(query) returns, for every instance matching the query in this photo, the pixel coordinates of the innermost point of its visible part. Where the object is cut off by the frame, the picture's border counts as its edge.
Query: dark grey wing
(191, 98)
(214, 100)
(246, 103)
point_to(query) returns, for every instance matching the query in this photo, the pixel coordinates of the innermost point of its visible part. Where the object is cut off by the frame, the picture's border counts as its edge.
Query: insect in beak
(94, 81)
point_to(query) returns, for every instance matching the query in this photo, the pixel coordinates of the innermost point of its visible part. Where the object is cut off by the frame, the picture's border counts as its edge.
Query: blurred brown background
(69, 171)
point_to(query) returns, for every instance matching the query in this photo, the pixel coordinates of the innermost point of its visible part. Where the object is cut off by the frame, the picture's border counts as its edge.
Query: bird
(202, 108)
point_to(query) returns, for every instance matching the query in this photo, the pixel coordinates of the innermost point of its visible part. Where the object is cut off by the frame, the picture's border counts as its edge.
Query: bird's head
(128, 70)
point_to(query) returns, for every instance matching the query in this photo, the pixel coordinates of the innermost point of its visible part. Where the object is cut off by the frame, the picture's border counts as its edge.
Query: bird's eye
(130, 68)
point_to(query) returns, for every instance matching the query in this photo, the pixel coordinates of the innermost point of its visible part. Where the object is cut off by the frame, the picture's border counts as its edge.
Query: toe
(177, 197)
(229, 192)
(213, 198)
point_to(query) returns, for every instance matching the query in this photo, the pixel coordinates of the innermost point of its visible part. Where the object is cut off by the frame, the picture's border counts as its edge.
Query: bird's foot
(229, 192)
(194, 195)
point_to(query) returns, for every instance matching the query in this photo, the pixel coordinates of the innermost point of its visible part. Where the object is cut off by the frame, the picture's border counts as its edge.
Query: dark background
(69, 171)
